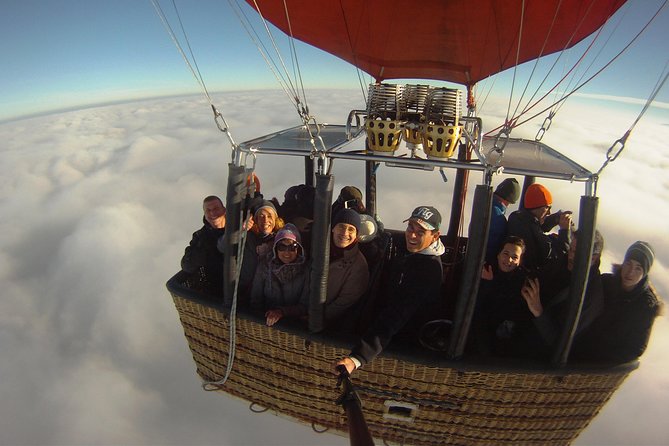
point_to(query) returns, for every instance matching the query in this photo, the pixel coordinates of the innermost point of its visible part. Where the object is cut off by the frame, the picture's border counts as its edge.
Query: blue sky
(61, 54)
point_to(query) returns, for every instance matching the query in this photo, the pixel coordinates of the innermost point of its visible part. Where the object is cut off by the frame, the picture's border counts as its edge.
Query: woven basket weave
(404, 402)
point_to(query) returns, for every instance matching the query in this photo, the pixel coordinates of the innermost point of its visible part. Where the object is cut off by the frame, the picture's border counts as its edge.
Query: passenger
(267, 223)
(622, 331)
(282, 279)
(259, 243)
(371, 246)
(548, 298)
(350, 197)
(533, 221)
(201, 260)
(414, 283)
(298, 205)
(298, 208)
(348, 273)
(498, 302)
(507, 192)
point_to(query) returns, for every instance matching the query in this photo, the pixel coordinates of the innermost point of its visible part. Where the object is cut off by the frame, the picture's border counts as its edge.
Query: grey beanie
(266, 204)
(348, 216)
(509, 190)
(643, 253)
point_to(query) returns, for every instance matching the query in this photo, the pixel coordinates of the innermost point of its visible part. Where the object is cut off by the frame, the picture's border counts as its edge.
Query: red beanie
(537, 196)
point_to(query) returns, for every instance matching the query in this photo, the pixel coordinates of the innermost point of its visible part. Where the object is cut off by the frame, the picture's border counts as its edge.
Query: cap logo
(423, 213)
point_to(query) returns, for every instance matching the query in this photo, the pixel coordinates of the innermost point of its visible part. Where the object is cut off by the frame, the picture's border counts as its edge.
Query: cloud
(97, 205)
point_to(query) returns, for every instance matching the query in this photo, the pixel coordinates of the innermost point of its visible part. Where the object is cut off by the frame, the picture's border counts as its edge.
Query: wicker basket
(405, 402)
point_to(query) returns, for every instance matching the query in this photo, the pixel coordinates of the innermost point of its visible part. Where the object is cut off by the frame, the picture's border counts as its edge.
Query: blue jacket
(497, 231)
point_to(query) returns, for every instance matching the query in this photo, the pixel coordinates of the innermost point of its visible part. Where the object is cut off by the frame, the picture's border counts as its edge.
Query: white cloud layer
(97, 205)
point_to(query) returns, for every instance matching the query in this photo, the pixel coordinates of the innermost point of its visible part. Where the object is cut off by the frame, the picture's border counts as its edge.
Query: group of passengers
(274, 276)
(523, 297)
(523, 301)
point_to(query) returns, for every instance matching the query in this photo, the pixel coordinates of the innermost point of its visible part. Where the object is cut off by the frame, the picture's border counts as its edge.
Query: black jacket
(540, 247)
(622, 330)
(413, 282)
(203, 262)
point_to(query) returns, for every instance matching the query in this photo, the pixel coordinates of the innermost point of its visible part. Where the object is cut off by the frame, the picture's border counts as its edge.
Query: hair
(597, 242)
(513, 240)
(212, 198)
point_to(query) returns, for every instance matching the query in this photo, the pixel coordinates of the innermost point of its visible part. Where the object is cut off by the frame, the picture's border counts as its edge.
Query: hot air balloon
(410, 395)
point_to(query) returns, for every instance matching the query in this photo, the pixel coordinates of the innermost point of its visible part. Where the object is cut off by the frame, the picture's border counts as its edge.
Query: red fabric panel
(461, 41)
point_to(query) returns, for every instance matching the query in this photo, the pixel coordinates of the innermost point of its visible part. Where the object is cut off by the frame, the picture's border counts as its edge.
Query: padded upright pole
(370, 187)
(233, 204)
(308, 171)
(579, 277)
(320, 251)
(469, 285)
(459, 197)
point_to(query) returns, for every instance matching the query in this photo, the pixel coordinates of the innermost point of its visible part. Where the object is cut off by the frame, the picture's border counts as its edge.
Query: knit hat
(348, 216)
(426, 216)
(350, 193)
(288, 232)
(537, 196)
(266, 205)
(509, 190)
(643, 253)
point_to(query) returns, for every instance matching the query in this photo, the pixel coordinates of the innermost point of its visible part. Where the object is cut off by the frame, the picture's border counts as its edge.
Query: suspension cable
(562, 52)
(536, 61)
(515, 67)
(170, 31)
(511, 123)
(218, 385)
(515, 122)
(619, 145)
(597, 56)
(218, 117)
(296, 96)
(296, 64)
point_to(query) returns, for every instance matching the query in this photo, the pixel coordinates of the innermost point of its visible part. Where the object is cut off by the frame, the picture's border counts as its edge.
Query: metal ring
(313, 427)
(261, 410)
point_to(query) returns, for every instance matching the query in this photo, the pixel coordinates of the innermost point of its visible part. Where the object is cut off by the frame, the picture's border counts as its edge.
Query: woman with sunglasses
(281, 279)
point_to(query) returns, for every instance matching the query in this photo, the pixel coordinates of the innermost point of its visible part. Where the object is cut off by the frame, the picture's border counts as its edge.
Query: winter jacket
(498, 229)
(498, 300)
(622, 330)
(348, 278)
(202, 260)
(413, 283)
(556, 305)
(279, 285)
(540, 248)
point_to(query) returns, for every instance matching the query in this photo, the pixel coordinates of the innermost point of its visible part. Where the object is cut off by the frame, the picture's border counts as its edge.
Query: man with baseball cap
(413, 283)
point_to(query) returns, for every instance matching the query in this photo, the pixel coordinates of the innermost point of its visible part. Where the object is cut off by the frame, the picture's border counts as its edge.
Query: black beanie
(348, 216)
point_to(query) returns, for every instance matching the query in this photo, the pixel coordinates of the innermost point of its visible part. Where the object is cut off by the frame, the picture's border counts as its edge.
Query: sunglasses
(291, 247)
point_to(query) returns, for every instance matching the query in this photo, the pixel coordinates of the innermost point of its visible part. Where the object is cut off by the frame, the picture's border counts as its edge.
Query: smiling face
(343, 235)
(286, 251)
(266, 219)
(631, 274)
(509, 257)
(417, 237)
(214, 213)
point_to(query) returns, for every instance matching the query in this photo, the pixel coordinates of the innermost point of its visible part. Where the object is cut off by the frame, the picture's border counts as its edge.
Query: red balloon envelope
(461, 41)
